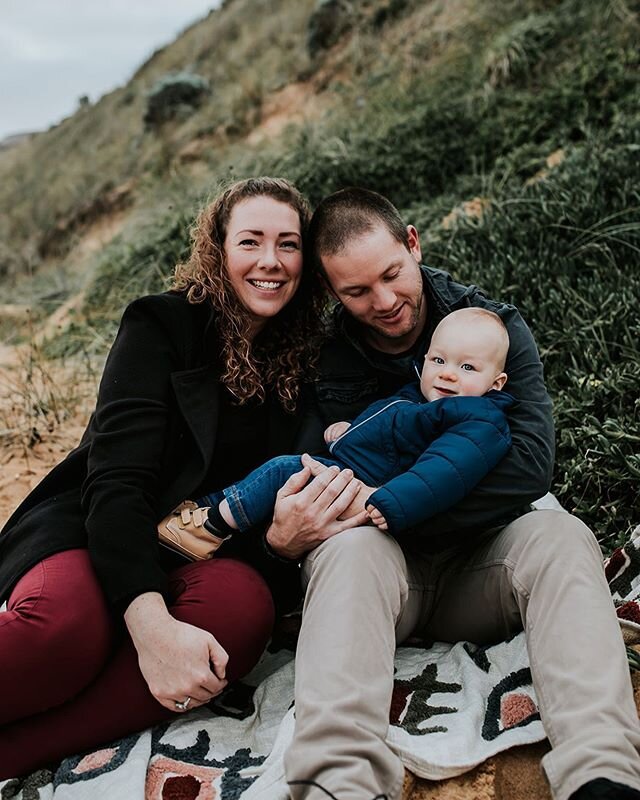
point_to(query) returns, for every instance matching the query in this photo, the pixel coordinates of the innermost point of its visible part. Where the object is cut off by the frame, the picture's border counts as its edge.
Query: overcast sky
(54, 51)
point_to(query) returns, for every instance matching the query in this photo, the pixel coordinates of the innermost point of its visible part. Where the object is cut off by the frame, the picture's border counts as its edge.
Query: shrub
(515, 50)
(174, 95)
(328, 21)
(38, 399)
(387, 12)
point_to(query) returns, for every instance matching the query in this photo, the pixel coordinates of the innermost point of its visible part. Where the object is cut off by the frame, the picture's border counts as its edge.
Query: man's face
(379, 283)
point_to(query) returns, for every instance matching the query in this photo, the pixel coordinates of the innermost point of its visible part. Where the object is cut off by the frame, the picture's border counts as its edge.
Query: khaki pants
(365, 594)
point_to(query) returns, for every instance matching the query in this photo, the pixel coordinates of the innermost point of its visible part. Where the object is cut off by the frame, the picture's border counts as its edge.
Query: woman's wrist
(145, 613)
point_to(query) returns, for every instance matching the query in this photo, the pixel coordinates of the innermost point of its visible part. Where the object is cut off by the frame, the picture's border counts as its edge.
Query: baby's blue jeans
(252, 499)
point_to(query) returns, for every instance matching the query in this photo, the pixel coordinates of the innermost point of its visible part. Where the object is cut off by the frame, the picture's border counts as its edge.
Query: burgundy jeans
(69, 681)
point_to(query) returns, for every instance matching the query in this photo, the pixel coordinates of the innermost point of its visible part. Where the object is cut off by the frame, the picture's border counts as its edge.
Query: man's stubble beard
(414, 321)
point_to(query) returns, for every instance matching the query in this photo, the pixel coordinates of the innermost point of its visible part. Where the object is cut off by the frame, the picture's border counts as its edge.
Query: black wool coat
(149, 444)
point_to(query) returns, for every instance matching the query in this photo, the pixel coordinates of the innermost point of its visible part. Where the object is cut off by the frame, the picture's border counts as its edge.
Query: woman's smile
(267, 286)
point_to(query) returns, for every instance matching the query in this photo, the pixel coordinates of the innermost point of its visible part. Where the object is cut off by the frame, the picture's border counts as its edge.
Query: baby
(424, 448)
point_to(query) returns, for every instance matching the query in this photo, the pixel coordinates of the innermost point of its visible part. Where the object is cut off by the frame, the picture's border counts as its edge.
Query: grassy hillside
(507, 132)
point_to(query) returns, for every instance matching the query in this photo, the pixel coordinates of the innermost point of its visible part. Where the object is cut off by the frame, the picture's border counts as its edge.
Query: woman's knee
(231, 600)
(61, 597)
(58, 621)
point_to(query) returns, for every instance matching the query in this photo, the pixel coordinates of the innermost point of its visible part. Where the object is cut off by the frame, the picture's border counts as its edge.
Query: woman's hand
(335, 431)
(177, 660)
(306, 515)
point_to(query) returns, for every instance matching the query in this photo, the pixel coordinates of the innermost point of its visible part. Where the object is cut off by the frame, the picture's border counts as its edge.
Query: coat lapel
(197, 393)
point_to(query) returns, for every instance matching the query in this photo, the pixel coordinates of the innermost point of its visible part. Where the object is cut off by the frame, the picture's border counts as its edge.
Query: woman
(199, 388)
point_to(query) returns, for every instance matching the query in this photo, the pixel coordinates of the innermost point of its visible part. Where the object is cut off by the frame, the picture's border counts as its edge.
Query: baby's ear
(500, 381)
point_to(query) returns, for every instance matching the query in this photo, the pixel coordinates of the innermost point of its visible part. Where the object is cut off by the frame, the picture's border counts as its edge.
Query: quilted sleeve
(474, 437)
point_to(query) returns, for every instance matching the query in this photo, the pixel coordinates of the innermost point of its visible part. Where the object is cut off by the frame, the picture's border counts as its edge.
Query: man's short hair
(347, 214)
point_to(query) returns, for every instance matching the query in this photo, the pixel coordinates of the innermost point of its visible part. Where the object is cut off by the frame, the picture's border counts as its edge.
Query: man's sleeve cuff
(272, 553)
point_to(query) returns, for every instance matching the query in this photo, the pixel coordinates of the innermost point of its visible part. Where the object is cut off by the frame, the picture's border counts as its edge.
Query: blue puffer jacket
(424, 456)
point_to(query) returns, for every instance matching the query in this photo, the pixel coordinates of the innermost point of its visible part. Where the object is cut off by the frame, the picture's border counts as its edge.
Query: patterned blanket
(453, 707)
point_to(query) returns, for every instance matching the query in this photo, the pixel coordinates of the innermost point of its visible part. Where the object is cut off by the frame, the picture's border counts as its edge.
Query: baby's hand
(336, 430)
(376, 517)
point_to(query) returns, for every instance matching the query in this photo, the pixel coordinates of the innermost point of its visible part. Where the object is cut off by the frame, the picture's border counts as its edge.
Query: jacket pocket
(345, 398)
(346, 391)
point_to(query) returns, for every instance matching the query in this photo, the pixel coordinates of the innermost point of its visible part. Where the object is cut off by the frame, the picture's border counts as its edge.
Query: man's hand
(359, 502)
(305, 515)
(336, 430)
(376, 517)
(177, 660)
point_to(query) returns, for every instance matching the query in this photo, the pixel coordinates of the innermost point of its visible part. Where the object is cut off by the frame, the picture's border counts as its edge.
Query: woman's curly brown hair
(282, 355)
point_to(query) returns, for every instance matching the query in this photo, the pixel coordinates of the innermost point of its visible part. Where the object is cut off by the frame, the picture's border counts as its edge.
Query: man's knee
(359, 574)
(355, 557)
(554, 532)
(547, 539)
(355, 547)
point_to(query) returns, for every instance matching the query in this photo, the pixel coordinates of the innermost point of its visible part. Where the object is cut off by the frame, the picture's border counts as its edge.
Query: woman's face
(263, 249)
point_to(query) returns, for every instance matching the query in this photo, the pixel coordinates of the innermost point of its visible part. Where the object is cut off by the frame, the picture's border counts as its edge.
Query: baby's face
(463, 360)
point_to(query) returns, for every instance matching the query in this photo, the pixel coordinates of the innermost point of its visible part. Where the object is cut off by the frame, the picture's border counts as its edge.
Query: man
(479, 572)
